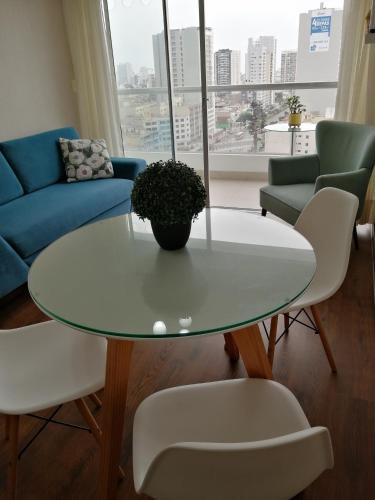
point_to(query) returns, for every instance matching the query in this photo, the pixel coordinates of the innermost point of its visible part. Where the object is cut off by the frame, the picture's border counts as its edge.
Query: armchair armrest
(355, 182)
(293, 170)
(128, 168)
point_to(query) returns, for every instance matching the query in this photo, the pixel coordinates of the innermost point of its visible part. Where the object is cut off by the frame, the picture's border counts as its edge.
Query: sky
(133, 22)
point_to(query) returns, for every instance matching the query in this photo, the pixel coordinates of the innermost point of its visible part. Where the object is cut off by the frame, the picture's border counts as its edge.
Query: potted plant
(296, 108)
(170, 194)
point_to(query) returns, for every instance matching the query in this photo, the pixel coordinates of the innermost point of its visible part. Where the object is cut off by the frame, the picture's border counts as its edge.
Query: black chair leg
(264, 212)
(355, 237)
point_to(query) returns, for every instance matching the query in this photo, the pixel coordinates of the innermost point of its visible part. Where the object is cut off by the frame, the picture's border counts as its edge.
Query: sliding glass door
(214, 91)
(137, 29)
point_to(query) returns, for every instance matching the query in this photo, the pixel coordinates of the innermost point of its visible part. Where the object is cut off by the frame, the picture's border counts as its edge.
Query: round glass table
(284, 127)
(112, 279)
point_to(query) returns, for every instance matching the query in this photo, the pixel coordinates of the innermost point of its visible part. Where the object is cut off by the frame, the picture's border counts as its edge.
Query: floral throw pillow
(86, 159)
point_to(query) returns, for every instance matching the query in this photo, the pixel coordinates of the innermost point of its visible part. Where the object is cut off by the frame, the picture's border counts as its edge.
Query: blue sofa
(37, 205)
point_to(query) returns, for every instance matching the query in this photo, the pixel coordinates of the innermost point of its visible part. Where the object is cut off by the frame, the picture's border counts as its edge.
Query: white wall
(35, 69)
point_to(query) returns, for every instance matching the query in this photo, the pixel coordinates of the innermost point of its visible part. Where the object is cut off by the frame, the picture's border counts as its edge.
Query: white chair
(327, 223)
(46, 365)
(235, 439)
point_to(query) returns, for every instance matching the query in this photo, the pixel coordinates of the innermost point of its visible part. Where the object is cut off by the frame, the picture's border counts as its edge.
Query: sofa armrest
(293, 170)
(128, 168)
(13, 270)
(355, 182)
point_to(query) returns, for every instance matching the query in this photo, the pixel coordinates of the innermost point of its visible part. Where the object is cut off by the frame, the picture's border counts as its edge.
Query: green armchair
(345, 158)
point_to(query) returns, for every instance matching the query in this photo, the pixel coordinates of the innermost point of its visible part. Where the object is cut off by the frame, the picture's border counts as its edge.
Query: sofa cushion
(33, 221)
(121, 209)
(286, 201)
(86, 159)
(10, 187)
(36, 160)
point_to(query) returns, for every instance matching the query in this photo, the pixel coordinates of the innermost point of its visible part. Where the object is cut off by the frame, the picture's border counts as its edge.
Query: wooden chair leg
(96, 400)
(14, 422)
(92, 424)
(323, 338)
(286, 323)
(272, 339)
(231, 348)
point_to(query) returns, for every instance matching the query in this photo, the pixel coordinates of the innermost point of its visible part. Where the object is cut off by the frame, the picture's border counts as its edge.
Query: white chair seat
(47, 364)
(210, 441)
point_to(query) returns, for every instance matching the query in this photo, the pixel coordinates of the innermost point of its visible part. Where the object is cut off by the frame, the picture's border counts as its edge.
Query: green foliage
(295, 105)
(255, 120)
(168, 192)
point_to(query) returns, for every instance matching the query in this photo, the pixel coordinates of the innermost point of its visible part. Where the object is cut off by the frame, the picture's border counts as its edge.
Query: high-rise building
(260, 64)
(185, 72)
(125, 74)
(146, 77)
(227, 67)
(288, 66)
(184, 49)
(319, 42)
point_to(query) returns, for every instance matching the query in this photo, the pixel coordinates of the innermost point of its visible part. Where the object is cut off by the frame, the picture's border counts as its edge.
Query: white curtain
(95, 82)
(356, 88)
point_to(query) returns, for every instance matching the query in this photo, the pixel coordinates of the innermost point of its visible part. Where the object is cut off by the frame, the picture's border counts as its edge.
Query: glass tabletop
(284, 127)
(111, 278)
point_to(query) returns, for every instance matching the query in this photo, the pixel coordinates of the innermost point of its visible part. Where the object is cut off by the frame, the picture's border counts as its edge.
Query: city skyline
(231, 30)
(236, 120)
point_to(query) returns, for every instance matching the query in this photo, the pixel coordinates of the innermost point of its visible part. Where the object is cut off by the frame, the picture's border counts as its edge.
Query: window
(261, 50)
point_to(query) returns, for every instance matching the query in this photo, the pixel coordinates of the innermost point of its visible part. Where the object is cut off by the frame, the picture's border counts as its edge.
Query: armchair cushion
(287, 201)
(293, 170)
(345, 146)
(355, 182)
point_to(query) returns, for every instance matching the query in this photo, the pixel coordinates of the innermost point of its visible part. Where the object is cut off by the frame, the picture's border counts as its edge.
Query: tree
(254, 119)
(279, 98)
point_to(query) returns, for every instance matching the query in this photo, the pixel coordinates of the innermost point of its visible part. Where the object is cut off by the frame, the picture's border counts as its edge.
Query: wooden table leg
(252, 351)
(114, 404)
(231, 348)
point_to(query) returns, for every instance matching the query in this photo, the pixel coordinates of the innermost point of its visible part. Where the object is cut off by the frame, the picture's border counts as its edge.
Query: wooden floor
(63, 463)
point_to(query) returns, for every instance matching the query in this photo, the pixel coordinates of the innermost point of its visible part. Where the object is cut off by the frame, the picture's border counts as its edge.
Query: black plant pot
(171, 237)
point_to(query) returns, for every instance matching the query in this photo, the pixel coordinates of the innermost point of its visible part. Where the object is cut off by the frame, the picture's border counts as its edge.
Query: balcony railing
(258, 87)
(233, 150)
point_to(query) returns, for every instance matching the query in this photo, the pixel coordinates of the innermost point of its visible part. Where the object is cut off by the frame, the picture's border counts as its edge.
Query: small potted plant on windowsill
(171, 195)
(296, 108)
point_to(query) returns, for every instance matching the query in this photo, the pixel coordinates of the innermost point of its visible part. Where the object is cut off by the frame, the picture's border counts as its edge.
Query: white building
(319, 42)
(260, 64)
(146, 77)
(288, 66)
(185, 72)
(185, 50)
(227, 67)
(125, 75)
(277, 143)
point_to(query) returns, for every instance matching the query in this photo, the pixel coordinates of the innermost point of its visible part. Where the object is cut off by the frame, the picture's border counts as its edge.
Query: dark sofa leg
(355, 237)
(264, 212)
